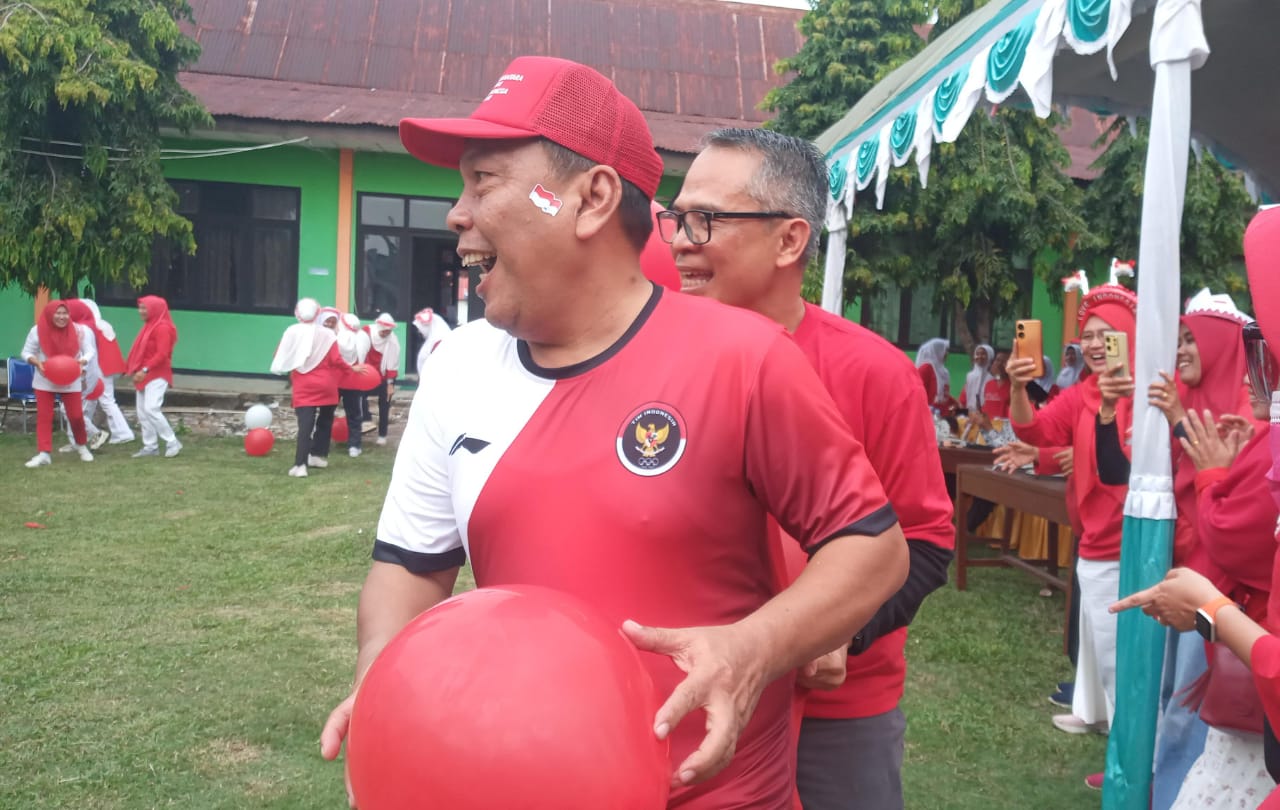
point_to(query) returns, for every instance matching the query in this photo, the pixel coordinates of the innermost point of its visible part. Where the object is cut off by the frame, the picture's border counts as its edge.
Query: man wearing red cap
(851, 740)
(597, 435)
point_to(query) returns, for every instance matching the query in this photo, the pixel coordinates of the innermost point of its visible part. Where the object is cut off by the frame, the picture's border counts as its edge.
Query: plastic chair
(20, 390)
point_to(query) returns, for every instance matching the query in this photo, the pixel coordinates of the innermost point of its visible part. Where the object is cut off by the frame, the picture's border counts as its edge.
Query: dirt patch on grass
(223, 755)
(329, 531)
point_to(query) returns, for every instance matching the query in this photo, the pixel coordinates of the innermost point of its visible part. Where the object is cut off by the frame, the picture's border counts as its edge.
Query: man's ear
(600, 193)
(792, 241)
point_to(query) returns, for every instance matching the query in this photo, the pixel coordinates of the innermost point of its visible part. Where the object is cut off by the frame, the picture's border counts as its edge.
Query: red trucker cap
(563, 101)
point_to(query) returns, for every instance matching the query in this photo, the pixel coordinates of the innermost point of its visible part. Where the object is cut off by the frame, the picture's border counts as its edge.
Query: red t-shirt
(877, 390)
(995, 399)
(640, 481)
(319, 386)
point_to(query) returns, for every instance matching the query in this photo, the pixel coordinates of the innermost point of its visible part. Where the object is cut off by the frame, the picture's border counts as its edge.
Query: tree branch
(13, 8)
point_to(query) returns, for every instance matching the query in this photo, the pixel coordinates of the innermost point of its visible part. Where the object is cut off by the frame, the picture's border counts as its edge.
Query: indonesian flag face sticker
(547, 202)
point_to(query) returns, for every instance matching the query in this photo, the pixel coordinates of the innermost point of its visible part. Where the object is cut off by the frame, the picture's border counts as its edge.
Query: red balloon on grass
(259, 441)
(361, 378)
(519, 696)
(61, 369)
(341, 432)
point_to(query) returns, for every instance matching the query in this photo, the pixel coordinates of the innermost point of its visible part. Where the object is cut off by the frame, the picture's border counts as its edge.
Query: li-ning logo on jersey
(651, 440)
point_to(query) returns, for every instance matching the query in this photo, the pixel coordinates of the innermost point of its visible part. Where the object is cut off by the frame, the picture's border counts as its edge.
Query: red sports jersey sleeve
(802, 460)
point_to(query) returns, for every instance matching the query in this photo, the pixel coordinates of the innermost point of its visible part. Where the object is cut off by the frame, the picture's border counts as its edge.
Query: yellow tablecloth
(1029, 535)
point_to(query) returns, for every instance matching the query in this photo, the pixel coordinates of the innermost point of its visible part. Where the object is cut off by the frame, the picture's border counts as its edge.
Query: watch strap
(1211, 608)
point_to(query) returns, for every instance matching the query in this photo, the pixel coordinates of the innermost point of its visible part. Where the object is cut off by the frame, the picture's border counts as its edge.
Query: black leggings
(384, 407)
(353, 404)
(315, 431)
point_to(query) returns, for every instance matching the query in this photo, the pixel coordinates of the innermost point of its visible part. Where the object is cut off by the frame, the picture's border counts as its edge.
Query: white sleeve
(88, 343)
(418, 528)
(363, 344)
(392, 357)
(32, 346)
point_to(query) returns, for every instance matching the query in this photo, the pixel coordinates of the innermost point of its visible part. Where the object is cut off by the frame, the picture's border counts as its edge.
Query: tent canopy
(1234, 92)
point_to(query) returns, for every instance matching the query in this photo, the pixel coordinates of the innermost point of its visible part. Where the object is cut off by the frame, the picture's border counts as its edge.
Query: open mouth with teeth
(484, 261)
(693, 279)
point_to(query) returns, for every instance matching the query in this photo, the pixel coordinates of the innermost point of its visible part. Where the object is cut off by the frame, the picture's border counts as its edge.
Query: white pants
(116, 423)
(1094, 700)
(150, 419)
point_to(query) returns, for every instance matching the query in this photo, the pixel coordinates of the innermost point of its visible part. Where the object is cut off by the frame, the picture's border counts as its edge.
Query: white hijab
(1046, 382)
(433, 330)
(389, 346)
(306, 310)
(1070, 373)
(302, 348)
(353, 343)
(107, 330)
(932, 353)
(975, 382)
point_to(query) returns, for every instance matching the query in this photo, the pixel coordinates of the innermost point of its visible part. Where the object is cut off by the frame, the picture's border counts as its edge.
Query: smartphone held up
(1029, 342)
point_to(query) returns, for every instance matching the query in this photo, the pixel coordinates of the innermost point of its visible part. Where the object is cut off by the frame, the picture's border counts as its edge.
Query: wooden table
(1045, 496)
(953, 457)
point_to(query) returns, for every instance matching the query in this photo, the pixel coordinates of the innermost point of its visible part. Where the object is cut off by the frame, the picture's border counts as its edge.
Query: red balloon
(361, 378)
(340, 432)
(656, 260)
(519, 696)
(259, 441)
(61, 369)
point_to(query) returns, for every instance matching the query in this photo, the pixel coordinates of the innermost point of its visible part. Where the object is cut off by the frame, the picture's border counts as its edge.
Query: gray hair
(792, 176)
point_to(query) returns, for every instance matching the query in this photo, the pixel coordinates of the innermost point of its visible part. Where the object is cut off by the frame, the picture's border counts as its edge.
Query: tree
(85, 86)
(999, 204)
(1216, 212)
(849, 46)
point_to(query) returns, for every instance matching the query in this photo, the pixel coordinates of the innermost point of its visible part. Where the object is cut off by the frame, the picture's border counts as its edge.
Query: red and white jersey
(639, 481)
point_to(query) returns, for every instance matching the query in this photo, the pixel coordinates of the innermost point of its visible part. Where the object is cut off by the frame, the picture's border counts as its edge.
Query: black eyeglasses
(1264, 371)
(697, 224)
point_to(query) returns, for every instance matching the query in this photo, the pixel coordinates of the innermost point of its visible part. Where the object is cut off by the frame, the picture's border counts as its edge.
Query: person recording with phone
(1083, 417)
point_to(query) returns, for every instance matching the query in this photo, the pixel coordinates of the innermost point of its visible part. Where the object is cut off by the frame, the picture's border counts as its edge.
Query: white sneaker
(317, 461)
(172, 448)
(69, 447)
(354, 452)
(382, 440)
(85, 455)
(1072, 724)
(39, 460)
(299, 471)
(146, 451)
(99, 439)
(123, 441)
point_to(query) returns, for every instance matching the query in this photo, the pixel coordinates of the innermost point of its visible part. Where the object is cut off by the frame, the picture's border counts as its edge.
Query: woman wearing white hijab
(1072, 366)
(353, 345)
(1043, 388)
(384, 355)
(975, 382)
(433, 330)
(308, 353)
(933, 373)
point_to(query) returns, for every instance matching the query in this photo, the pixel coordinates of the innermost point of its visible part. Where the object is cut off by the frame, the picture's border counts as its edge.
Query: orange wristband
(1211, 608)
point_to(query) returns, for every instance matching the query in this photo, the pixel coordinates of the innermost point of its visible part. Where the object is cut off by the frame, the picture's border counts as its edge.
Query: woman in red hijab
(1089, 417)
(150, 364)
(54, 334)
(110, 362)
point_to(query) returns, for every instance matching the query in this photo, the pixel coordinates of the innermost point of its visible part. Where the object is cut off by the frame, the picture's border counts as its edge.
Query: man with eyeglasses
(601, 436)
(743, 229)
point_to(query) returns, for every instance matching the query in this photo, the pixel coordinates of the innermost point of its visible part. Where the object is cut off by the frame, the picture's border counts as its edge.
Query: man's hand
(1014, 456)
(1206, 446)
(1115, 385)
(1174, 601)
(725, 676)
(335, 731)
(825, 673)
(1021, 370)
(1163, 394)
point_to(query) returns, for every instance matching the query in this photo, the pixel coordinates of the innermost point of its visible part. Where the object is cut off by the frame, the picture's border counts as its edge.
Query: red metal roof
(690, 65)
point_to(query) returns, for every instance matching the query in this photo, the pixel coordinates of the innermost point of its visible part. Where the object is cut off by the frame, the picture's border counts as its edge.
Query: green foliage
(85, 86)
(998, 203)
(1215, 214)
(849, 46)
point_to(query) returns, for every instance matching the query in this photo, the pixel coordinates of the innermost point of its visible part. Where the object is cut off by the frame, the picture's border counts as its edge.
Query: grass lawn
(178, 631)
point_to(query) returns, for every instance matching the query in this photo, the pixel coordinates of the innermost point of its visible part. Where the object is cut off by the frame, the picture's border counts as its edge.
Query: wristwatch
(1206, 616)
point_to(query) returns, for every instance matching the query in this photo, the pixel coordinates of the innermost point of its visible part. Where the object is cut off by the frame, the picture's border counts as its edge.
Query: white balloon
(258, 416)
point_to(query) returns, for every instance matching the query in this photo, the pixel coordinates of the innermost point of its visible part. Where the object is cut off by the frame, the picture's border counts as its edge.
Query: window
(246, 257)
(408, 257)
